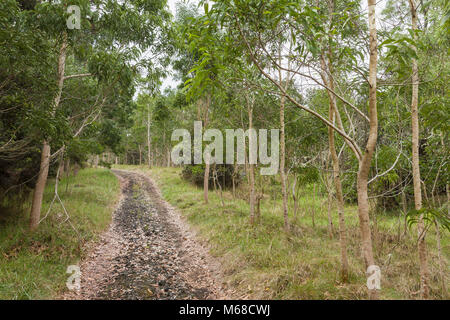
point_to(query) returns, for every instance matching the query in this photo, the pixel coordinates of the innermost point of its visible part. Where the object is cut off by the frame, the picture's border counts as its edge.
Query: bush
(195, 173)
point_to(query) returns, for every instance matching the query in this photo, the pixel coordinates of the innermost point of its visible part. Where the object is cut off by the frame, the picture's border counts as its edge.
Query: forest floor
(149, 252)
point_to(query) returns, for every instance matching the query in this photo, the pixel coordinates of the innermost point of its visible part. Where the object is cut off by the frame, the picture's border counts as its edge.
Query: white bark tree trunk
(364, 164)
(45, 155)
(149, 142)
(421, 246)
(207, 166)
(252, 196)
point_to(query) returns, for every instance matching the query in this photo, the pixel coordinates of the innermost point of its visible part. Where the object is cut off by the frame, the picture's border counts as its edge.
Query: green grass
(264, 262)
(33, 266)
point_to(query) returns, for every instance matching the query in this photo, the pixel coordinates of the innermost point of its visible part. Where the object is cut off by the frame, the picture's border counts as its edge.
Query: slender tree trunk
(442, 265)
(207, 165)
(140, 154)
(364, 164)
(282, 163)
(149, 141)
(283, 145)
(294, 197)
(447, 190)
(67, 173)
(405, 211)
(61, 168)
(251, 166)
(168, 158)
(40, 186)
(233, 180)
(258, 207)
(45, 155)
(214, 173)
(330, 218)
(421, 246)
(339, 196)
(313, 207)
(327, 71)
(259, 197)
(216, 179)
(330, 199)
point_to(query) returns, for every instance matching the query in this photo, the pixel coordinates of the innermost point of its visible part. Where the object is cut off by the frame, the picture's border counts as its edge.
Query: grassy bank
(264, 262)
(33, 266)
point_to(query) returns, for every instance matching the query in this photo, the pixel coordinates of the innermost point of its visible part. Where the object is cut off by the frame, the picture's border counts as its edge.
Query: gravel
(149, 252)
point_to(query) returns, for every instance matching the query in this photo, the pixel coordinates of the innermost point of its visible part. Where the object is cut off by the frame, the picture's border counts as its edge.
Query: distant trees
(92, 70)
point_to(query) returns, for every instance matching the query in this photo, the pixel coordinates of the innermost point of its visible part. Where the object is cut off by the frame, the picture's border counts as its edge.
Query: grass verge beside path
(33, 266)
(263, 262)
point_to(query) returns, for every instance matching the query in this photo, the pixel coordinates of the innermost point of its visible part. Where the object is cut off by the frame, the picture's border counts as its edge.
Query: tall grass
(264, 262)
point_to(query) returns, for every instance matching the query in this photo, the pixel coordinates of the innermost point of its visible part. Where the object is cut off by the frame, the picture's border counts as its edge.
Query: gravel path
(149, 252)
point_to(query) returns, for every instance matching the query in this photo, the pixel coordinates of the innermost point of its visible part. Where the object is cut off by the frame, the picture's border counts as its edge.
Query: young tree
(424, 272)
(98, 43)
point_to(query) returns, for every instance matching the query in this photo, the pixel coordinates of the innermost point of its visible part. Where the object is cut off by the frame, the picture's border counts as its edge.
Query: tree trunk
(67, 173)
(207, 166)
(40, 186)
(327, 71)
(294, 197)
(149, 141)
(330, 218)
(219, 185)
(168, 158)
(364, 164)
(61, 167)
(259, 197)
(233, 180)
(421, 246)
(140, 154)
(45, 155)
(405, 211)
(282, 164)
(251, 167)
(339, 194)
(283, 145)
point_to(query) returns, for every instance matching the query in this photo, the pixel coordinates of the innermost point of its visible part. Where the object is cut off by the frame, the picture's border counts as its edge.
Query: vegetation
(33, 266)
(264, 262)
(357, 89)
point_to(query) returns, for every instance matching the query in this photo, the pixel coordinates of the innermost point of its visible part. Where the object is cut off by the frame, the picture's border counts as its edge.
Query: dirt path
(149, 252)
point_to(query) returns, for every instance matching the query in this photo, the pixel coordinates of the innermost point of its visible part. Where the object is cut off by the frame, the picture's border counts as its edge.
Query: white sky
(170, 82)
